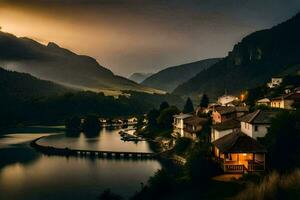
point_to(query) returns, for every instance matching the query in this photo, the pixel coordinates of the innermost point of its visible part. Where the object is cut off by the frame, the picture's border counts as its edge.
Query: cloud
(143, 35)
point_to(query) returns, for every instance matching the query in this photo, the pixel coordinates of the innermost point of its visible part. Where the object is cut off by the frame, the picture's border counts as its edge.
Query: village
(235, 128)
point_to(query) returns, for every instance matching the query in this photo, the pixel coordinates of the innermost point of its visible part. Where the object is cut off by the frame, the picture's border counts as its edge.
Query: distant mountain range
(139, 77)
(21, 85)
(169, 78)
(60, 65)
(252, 62)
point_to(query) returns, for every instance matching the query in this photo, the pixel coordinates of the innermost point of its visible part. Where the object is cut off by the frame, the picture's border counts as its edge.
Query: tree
(163, 106)
(91, 125)
(204, 101)
(108, 195)
(199, 167)
(282, 141)
(73, 124)
(182, 144)
(165, 119)
(152, 117)
(188, 107)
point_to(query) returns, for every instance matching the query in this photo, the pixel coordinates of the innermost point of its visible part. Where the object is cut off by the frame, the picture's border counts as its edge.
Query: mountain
(60, 65)
(21, 85)
(139, 77)
(252, 62)
(169, 78)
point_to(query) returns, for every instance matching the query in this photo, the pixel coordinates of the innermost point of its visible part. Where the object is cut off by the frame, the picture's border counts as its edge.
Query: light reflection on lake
(48, 178)
(108, 139)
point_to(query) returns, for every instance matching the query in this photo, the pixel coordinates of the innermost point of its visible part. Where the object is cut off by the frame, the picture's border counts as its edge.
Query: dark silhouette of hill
(169, 78)
(139, 77)
(21, 85)
(252, 62)
(60, 65)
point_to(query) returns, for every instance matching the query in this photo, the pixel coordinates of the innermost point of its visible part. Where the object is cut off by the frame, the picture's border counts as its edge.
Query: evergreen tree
(204, 101)
(188, 107)
(163, 106)
(152, 117)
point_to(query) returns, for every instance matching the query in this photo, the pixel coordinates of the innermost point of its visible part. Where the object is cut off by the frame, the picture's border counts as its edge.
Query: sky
(130, 36)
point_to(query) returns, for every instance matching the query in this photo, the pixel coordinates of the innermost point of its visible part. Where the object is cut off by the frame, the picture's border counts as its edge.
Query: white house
(276, 81)
(256, 124)
(227, 99)
(225, 128)
(189, 126)
(178, 124)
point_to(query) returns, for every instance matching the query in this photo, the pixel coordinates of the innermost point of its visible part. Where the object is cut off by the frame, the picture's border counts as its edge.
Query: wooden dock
(49, 150)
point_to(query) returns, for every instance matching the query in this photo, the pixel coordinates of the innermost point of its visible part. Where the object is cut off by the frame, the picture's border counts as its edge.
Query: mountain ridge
(139, 77)
(51, 62)
(169, 78)
(252, 61)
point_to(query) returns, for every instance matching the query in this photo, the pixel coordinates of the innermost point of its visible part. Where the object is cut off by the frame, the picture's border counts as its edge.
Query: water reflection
(48, 178)
(107, 139)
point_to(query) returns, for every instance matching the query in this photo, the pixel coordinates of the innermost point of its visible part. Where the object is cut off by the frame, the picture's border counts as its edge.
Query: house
(257, 123)
(178, 124)
(227, 99)
(239, 153)
(186, 125)
(192, 126)
(264, 101)
(287, 101)
(221, 129)
(132, 121)
(276, 81)
(223, 113)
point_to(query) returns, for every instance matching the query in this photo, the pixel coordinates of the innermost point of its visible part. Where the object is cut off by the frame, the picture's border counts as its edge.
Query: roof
(225, 109)
(264, 100)
(238, 142)
(230, 124)
(242, 108)
(293, 96)
(182, 116)
(259, 117)
(195, 120)
(231, 109)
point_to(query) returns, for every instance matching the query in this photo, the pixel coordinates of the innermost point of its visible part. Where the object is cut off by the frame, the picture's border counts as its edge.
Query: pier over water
(50, 150)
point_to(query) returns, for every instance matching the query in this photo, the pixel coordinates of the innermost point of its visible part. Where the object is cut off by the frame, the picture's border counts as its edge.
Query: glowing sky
(129, 36)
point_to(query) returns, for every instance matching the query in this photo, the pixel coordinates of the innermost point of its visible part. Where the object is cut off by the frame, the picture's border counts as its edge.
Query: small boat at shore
(125, 136)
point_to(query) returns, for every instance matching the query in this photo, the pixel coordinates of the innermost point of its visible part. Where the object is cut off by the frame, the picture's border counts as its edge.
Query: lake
(27, 174)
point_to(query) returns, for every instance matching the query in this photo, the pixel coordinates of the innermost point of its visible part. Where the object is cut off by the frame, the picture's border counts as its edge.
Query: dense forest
(26, 99)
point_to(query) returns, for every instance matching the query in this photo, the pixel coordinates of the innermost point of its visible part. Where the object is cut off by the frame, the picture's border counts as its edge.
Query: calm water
(26, 174)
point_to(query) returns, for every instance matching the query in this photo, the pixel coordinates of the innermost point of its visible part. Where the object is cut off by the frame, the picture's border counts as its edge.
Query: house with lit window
(239, 153)
(264, 102)
(257, 123)
(287, 101)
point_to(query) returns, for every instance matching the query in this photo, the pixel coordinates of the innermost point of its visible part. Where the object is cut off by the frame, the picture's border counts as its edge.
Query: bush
(182, 144)
(274, 186)
(283, 141)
